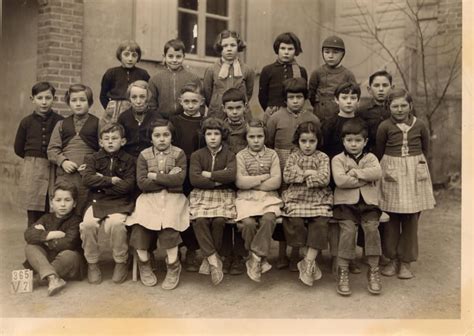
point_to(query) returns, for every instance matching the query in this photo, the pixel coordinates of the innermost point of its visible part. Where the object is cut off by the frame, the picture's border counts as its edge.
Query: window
(199, 22)
(196, 22)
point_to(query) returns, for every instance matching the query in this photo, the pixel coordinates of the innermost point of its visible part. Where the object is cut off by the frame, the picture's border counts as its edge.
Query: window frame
(202, 15)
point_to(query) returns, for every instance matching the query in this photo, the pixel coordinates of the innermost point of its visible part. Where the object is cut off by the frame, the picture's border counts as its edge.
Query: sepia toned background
(71, 41)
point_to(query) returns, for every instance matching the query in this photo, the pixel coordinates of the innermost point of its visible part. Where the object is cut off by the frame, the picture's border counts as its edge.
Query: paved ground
(433, 294)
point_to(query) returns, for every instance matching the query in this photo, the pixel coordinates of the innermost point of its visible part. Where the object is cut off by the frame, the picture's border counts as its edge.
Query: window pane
(218, 7)
(189, 4)
(187, 31)
(213, 27)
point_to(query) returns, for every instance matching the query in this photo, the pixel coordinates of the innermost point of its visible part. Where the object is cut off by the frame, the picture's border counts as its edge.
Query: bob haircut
(380, 73)
(255, 123)
(295, 85)
(233, 95)
(142, 85)
(225, 34)
(128, 45)
(112, 127)
(308, 127)
(214, 124)
(41, 87)
(65, 186)
(162, 123)
(74, 88)
(355, 126)
(176, 44)
(347, 88)
(288, 38)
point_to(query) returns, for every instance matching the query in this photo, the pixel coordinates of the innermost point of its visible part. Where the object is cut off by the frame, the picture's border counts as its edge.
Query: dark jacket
(108, 198)
(137, 134)
(68, 224)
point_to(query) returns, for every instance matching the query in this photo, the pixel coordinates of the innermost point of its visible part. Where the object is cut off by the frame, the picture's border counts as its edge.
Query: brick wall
(60, 33)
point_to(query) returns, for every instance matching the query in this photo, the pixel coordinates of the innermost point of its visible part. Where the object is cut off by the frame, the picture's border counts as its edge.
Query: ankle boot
(343, 285)
(172, 275)
(373, 276)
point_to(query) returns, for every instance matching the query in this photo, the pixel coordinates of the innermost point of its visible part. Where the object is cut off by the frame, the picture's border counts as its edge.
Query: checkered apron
(406, 185)
(209, 203)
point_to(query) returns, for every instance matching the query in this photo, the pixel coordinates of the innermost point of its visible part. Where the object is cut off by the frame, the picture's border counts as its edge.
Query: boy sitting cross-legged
(53, 244)
(110, 175)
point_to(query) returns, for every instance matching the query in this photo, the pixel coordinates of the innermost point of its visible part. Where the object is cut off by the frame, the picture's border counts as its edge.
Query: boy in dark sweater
(188, 129)
(373, 113)
(53, 245)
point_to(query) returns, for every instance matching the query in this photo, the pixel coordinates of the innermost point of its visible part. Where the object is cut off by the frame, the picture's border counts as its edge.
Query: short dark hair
(288, 38)
(225, 34)
(192, 87)
(380, 73)
(355, 126)
(65, 186)
(256, 123)
(398, 93)
(162, 123)
(130, 45)
(42, 86)
(308, 127)
(176, 44)
(295, 85)
(233, 95)
(347, 88)
(74, 88)
(214, 124)
(112, 127)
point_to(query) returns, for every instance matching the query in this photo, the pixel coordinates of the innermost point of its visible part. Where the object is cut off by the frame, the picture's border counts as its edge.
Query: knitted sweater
(324, 81)
(391, 139)
(270, 91)
(33, 134)
(116, 81)
(165, 88)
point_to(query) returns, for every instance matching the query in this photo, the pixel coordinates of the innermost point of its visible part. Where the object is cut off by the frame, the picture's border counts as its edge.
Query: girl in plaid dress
(257, 203)
(162, 209)
(308, 199)
(281, 128)
(212, 174)
(403, 142)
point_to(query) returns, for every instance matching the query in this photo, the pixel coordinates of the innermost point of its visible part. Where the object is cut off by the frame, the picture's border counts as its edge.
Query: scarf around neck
(225, 68)
(294, 67)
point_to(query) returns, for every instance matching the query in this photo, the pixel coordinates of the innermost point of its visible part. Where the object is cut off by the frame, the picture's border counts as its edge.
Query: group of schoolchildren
(177, 162)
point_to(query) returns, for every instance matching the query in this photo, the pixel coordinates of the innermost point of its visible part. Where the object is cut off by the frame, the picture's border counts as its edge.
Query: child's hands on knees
(69, 166)
(40, 227)
(55, 235)
(116, 180)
